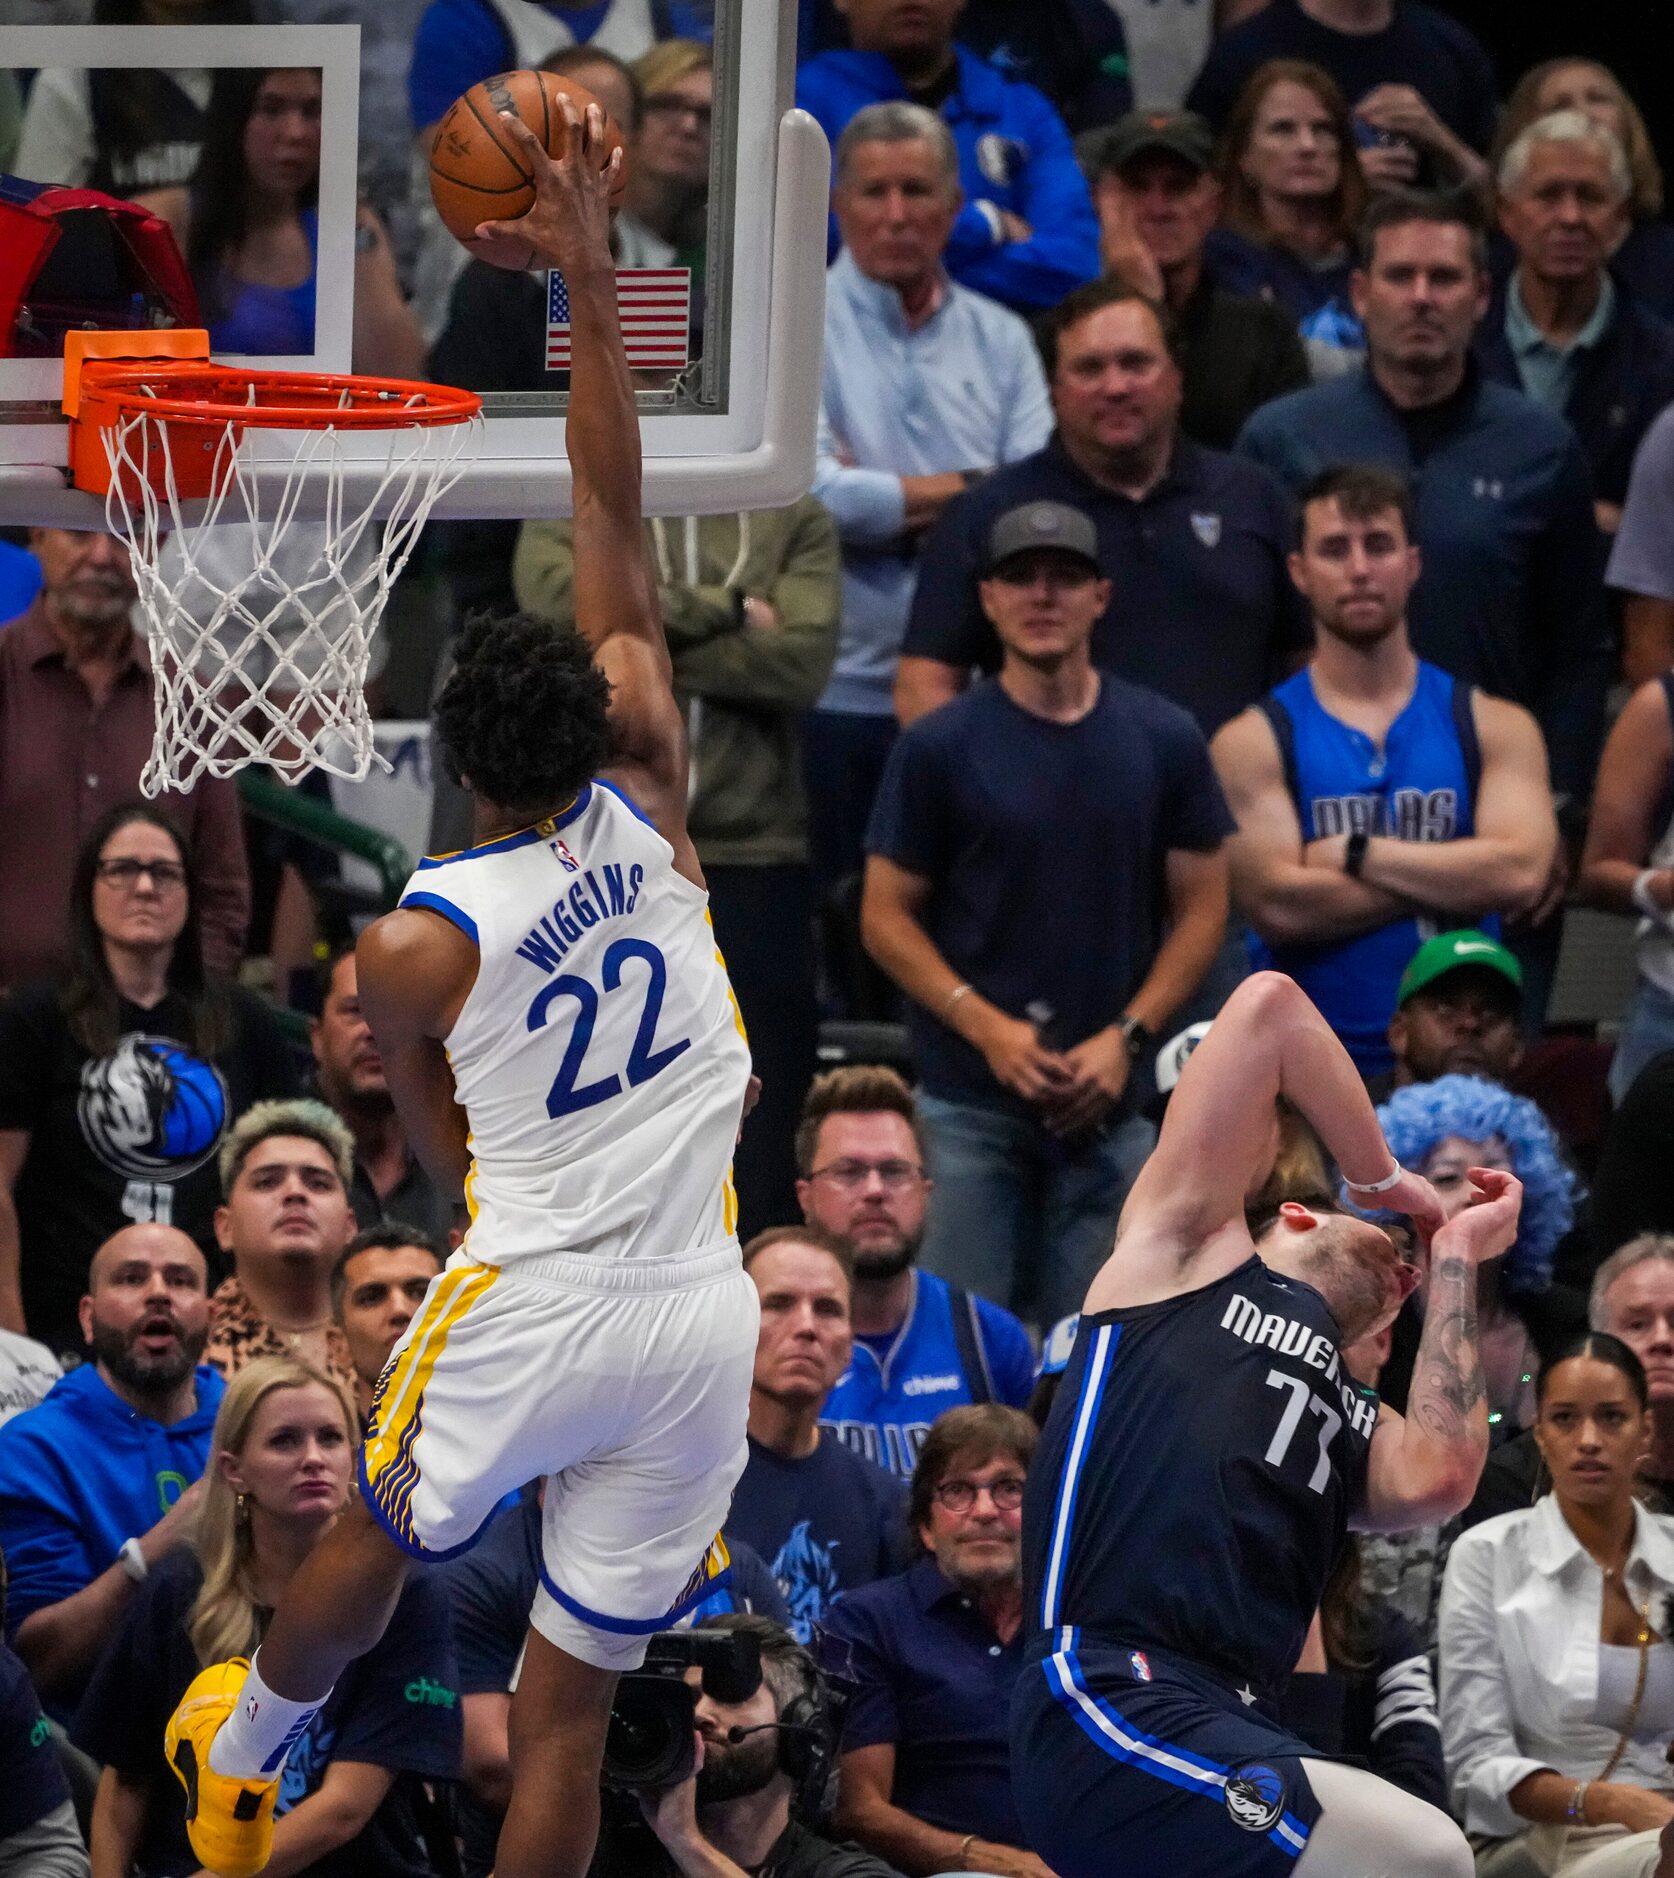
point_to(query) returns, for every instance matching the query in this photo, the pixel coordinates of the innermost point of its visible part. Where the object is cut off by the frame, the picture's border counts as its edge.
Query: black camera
(648, 1745)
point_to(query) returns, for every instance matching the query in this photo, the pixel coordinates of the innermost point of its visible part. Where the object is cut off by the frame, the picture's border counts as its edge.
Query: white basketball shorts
(624, 1382)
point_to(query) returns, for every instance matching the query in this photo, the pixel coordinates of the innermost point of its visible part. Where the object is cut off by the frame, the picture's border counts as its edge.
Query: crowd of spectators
(1242, 534)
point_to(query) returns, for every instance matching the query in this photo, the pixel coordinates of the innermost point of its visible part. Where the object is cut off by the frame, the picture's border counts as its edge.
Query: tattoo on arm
(1447, 1384)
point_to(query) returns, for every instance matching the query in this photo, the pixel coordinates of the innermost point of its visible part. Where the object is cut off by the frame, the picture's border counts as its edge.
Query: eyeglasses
(701, 114)
(959, 1496)
(897, 1176)
(126, 873)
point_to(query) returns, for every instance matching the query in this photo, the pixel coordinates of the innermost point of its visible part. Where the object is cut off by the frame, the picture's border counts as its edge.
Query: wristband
(1377, 1186)
(1577, 1808)
(132, 1560)
(1645, 900)
(965, 1845)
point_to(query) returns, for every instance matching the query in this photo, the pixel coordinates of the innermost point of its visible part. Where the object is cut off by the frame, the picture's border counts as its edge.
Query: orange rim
(218, 395)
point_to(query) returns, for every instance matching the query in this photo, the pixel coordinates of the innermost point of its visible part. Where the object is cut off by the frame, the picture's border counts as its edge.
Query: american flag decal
(656, 308)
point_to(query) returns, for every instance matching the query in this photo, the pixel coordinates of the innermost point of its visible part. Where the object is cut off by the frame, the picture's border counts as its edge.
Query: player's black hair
(523, 718)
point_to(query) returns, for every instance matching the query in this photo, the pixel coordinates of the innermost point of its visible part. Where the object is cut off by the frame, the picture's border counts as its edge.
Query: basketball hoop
(263, 661)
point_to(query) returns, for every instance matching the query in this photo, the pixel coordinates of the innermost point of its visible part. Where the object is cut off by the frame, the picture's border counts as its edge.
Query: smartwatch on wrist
(132, 1560)
(1354, 857)
(1135, 1035)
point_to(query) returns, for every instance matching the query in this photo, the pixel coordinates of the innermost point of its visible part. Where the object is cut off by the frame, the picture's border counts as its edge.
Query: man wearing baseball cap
(1045, 882)
(1458, 1012)
(1154, 186)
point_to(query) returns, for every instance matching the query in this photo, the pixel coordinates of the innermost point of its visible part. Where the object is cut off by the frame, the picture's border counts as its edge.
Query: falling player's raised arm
(1219, 1134)
(616, 606)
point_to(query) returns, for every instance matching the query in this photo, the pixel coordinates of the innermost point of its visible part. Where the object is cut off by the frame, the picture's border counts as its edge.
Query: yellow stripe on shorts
(401, 1388)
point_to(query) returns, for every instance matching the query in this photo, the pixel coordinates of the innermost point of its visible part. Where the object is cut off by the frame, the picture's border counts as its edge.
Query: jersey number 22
(568, 1094)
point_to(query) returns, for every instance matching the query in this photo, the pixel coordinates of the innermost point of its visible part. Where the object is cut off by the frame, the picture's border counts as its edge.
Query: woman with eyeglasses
(668, 178)
(1557, 1677)
(122, 1075)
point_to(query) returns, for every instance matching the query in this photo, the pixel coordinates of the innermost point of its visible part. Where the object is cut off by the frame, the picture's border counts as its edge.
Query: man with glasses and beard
(921, 1344)
(98, 1483)
(925, 1779)
(741, 1810)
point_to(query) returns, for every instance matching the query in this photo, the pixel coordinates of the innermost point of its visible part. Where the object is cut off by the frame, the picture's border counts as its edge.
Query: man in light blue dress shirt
(927, 387)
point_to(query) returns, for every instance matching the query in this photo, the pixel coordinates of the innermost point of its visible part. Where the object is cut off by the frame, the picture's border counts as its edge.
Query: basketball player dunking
(1203, 1458)
(563, 1046)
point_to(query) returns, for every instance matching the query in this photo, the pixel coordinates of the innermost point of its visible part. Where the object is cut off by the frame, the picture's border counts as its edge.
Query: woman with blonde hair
(1293, 197)
(353, 1803)
(1644, 263)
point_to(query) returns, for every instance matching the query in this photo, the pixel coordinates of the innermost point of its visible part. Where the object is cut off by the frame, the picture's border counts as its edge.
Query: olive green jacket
(743, 688)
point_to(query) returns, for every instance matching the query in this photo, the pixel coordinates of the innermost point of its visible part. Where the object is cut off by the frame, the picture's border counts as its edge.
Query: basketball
(479, 174)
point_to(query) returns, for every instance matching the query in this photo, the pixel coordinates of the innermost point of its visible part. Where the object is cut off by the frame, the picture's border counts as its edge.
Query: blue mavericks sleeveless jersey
(1420, 787)
(1194, 1480)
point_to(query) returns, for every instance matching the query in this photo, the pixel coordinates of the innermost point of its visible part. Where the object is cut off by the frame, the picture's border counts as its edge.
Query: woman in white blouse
(1557, 1676)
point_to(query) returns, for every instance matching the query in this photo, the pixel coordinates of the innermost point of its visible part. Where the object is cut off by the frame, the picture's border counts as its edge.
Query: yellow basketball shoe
(230, 1822)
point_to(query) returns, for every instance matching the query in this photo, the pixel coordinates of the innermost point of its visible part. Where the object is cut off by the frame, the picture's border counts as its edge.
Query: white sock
(262, 1729)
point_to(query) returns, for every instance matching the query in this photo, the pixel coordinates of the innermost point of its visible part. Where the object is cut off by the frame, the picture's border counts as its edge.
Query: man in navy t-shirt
(825, 1519)
(1045, 881)
(921, 1345)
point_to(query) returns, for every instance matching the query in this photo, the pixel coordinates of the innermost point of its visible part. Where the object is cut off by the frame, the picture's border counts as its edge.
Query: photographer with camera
(756, 1771)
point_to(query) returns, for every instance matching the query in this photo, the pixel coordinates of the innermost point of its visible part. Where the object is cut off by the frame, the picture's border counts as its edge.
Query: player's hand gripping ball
(478, 173)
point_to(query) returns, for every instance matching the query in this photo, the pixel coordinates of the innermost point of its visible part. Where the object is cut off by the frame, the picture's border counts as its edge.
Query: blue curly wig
(1416, 1118)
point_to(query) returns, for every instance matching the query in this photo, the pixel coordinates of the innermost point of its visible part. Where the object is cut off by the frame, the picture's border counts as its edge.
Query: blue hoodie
(79, 1473)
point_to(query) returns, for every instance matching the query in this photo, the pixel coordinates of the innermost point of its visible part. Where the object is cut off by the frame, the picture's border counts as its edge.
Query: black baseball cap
(1181, 134)
(1038, 525)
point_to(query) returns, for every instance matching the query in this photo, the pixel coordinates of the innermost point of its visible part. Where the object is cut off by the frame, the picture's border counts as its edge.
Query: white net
(261, 602)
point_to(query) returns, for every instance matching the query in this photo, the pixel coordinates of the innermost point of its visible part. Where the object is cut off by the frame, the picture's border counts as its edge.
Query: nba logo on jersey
(566, 860)
(1141, 1665)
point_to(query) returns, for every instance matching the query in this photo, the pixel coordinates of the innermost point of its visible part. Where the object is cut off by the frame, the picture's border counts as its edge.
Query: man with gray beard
(99, 1482)
(76, 723)
(921, 1344)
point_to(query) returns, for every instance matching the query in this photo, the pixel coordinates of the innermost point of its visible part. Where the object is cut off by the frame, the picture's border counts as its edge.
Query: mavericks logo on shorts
(1255, 1796)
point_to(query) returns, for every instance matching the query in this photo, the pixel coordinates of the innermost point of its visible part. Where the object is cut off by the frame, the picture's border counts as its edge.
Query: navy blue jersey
(1194, 1479)
(1420, 786)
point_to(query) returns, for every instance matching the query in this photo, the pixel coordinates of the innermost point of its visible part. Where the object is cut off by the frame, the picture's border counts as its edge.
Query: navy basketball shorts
(1127, 1765)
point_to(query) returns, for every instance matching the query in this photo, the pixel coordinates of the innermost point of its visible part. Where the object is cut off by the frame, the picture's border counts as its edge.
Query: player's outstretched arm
(616, 608)
(1218, 1138)
(1424, 1465)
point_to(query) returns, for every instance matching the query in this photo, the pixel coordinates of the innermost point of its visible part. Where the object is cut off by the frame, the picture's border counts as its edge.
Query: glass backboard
(725, 303)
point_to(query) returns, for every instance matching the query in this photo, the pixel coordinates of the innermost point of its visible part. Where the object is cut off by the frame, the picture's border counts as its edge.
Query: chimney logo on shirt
(1207, 528)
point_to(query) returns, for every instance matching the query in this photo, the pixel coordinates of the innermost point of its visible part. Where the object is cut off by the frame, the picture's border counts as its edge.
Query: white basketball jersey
(600, 1057)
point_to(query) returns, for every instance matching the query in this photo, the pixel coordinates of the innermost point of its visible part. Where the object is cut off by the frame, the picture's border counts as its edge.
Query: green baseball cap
(1448, 952)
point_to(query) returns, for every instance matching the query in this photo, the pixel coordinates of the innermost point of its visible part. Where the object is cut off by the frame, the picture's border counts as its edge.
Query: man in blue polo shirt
(934, 1653)
(1027, 233)
(1045, 881)
(1192, 541)
(1511, 598)
(926, 387)
(921, 1345)
(96, 1482)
